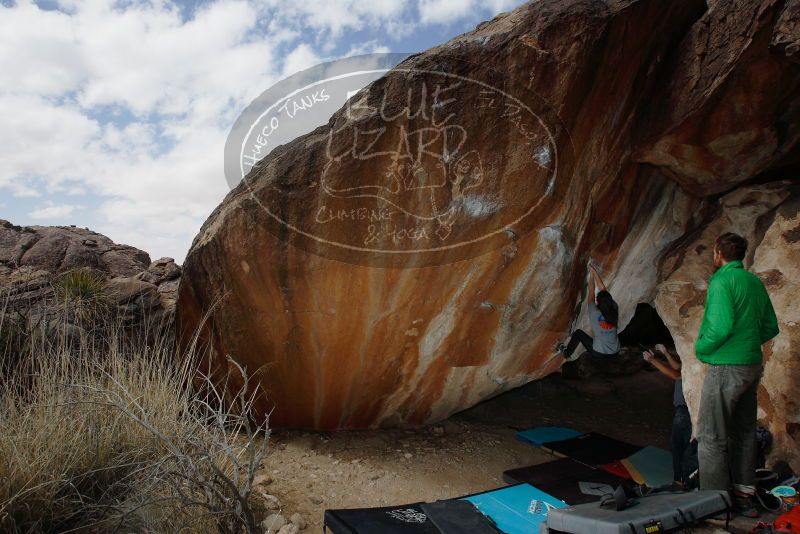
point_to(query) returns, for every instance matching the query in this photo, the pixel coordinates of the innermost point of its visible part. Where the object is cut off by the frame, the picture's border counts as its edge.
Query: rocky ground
(311, 472)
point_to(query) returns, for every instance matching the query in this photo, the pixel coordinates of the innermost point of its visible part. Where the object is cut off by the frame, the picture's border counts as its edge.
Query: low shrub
(119, 437)
(80, 295)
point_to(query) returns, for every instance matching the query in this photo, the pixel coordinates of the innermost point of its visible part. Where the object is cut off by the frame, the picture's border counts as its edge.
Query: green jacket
(738, 318)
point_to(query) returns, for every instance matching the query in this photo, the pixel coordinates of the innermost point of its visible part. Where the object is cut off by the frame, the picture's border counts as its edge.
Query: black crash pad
(456, 516)
(406, 519)
(592, 449)
(566, 479)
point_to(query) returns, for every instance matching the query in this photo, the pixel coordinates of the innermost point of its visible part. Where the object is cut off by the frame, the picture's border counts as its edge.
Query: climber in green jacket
(738, 320)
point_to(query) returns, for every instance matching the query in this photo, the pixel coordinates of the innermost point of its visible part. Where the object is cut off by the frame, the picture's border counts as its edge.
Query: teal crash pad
(651, 466)
(544, 434)
(518, 509)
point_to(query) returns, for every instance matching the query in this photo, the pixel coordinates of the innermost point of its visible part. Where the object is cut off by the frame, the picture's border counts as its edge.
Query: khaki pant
(726, 427)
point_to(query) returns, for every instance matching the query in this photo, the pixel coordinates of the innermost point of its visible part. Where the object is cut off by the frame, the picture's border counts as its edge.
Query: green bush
(81, 294)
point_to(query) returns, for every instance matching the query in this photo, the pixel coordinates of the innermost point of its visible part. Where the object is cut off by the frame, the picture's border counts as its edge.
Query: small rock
(299, 521)
(262, 480)
(408, 455)
(374, 476)
(437, 430)
(271, 502)
(289, 529)
(273, 523)
(315, 499)
(451, 427)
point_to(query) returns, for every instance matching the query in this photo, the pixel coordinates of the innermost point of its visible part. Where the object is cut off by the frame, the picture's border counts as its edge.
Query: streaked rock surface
(633, 112)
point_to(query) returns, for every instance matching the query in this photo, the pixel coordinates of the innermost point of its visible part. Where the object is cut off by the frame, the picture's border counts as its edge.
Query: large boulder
(427, 248)
(729, 109)
(769, 217)
(777, 262)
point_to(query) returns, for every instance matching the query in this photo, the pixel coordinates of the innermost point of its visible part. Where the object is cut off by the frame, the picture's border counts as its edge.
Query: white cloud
(443, 11)
(332, 17)
(148, 60)
(499, 6)
(41, 138)
(299, 59)
(67, 79)
(38, 51)
(53, 211)
(369, 47)
(449, 11)
(127, 105)
(23, 190)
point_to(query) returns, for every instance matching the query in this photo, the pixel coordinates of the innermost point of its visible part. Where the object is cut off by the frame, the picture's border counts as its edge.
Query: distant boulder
(47, 270)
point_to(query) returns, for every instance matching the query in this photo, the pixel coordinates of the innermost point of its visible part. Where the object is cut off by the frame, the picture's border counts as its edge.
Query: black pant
(684, 451)
(582, 338)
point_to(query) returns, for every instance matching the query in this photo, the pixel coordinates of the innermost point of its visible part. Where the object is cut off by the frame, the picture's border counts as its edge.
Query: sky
(114, 115)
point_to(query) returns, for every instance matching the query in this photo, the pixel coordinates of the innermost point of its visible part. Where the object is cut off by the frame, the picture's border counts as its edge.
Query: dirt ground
(468, 453)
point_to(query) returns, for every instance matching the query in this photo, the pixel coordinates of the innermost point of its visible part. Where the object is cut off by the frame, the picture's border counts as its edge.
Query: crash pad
(543, 434)
(457, 516)
(651, 466)
(518, 509)
(546, 472)
(616, 468)
(404, 519)
(592, 449)
(567, 480)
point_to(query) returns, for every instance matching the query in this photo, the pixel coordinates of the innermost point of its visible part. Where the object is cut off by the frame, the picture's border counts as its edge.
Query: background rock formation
(33, 260)
(645, 107)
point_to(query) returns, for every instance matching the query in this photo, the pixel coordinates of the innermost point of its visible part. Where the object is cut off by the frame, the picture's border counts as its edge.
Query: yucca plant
(81, 294)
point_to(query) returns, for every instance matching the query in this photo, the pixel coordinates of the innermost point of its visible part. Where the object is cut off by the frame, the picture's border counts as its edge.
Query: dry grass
(115, 437)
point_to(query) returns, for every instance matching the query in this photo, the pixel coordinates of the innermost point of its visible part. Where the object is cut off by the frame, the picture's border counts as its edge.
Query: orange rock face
(427, 248)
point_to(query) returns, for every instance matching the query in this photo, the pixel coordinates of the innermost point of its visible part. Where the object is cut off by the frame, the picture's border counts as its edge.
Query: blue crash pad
(518, 509)
(544, 434)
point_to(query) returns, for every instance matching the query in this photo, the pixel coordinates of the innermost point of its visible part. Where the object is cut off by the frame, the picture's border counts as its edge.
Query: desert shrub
(80, 293)
(11, 338)
(121, 438)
